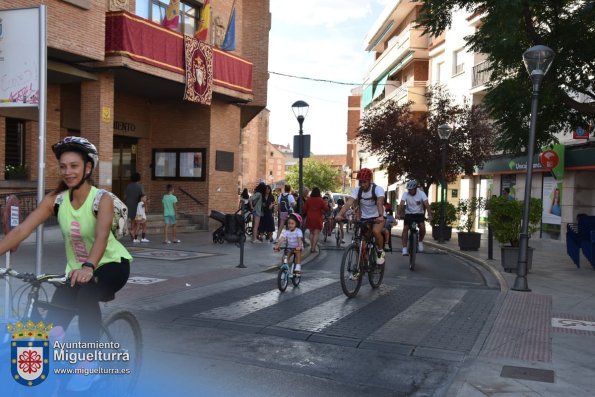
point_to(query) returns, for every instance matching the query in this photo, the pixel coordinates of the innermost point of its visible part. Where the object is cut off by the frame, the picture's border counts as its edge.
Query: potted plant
(505, 217)
(450, 216)
(467, 210)
(15, 172)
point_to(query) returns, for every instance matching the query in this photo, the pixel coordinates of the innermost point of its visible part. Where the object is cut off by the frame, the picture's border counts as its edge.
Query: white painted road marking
(144, 280)
(577, 325)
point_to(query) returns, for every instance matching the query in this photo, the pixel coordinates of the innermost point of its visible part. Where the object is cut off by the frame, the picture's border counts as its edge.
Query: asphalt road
(244, 337)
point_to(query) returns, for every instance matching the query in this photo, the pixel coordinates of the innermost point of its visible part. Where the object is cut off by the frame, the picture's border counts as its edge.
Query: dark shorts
(409, 218)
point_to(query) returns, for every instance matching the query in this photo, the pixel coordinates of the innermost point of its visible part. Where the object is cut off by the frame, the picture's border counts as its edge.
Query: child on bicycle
(340, 204)
(388, 225)
(295, 240)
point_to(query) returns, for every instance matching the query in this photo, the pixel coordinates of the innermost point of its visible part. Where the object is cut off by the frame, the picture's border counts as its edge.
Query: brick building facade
(130, 104)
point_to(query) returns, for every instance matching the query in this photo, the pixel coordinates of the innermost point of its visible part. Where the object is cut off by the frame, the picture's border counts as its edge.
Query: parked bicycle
(119, 329)
(359, 258)
(287, 270)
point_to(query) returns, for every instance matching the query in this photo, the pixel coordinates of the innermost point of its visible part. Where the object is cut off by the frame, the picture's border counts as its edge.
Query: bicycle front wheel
(375, 271)
(282, 278)
(351, 275)
(122, 328)
(412, 250)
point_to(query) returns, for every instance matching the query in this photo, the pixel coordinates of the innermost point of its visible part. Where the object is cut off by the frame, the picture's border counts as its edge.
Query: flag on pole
(171, 20)
(229, 43)
(202, 32)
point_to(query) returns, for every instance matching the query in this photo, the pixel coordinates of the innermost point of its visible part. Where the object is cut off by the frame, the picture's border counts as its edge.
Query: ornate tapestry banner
(198, 60)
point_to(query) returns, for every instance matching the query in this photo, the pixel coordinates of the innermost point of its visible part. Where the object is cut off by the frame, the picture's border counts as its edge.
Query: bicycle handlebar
(56, 279)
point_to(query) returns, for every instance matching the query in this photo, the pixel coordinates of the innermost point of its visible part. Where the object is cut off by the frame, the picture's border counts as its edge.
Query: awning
(367, 96)
(402, 63)
(380, 86)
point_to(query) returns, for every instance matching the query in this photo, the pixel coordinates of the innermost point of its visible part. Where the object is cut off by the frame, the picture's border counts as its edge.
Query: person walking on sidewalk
(141, 220)
(370, 199)
(256, 205)
(169, 214)
(97, 264)
(131, 198)
(286, 206)
(267, 223)
(415, 203)
(315, 210)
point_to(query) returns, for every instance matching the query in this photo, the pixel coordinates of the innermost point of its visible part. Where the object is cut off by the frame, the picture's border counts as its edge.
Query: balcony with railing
(414, 92)
(481, 74)
(409, 40)
(160, 51)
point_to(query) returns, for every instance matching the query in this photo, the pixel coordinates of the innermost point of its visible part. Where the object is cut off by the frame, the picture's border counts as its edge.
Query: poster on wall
(19, 57)
(485, 191)
(552, 195)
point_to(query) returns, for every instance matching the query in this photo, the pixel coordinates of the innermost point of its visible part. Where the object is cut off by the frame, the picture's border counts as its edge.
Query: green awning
(402, 63)
(367, 96)
(380, 86)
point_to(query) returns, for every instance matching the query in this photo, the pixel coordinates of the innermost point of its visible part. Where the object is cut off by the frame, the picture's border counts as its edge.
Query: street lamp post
(538, 60)
(300, 110)
(361, 153)
(444, 133)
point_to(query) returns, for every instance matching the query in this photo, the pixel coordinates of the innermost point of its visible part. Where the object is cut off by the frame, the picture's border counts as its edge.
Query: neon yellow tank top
(78, 231)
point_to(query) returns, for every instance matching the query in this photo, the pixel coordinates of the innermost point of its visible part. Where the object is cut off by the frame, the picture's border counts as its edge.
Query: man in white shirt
(371, 205)
(415, 202)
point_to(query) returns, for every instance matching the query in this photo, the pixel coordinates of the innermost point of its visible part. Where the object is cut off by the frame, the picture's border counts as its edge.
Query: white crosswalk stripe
(318, 318)
(254, 303)
(411, 325)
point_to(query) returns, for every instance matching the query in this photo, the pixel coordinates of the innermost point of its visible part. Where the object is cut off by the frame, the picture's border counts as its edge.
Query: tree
(509, 28)
(316, 174)
(407, 142)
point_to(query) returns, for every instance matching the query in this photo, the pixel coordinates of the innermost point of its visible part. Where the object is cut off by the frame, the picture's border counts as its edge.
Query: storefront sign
(123, 126)
(549, 159)
(581, 133)
(19, 57)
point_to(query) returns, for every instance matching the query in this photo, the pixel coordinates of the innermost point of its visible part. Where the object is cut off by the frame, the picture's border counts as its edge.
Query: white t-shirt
(368, 207)
(415, 203)
(140, 212)
(292, 237)
(290, 198)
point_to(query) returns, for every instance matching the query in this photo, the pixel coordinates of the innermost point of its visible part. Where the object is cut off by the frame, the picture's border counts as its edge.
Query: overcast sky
(321, 39)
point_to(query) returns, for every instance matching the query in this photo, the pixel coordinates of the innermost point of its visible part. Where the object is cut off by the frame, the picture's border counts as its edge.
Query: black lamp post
(538, 60)
(361, 153)
(300, 110)
(444, 133)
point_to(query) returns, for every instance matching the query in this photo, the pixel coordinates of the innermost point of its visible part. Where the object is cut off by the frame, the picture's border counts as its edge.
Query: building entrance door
(123, 163)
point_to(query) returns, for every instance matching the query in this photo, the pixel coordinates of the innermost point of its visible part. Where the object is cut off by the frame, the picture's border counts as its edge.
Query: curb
(501, 280)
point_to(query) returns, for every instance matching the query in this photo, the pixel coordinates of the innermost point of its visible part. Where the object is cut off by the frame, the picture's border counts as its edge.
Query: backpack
(360, 192)
(120, 218)
(284, 205)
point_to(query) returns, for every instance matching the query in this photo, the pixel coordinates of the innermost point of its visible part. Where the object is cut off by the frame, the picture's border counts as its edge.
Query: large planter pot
(509, 257)
(447, 233)
(469, 241)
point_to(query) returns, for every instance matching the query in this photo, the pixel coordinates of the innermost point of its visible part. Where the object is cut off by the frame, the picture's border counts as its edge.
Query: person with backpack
(370, 199)
(286, 205)
(97, 264)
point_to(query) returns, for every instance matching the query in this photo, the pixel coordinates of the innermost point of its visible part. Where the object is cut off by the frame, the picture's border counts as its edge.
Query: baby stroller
(235, 227)
(219, 234)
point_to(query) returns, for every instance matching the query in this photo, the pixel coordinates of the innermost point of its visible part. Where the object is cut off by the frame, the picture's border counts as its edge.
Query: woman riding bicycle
(98, 265)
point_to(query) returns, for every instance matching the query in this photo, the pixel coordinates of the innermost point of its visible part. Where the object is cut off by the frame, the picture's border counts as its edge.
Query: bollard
(242, 241)
(490, 242)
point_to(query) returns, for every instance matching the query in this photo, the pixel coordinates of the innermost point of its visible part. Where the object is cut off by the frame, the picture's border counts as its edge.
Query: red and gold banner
(198, 58)
(152, 44)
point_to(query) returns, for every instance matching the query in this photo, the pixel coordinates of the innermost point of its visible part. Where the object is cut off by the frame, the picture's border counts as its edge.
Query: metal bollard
(490, 243)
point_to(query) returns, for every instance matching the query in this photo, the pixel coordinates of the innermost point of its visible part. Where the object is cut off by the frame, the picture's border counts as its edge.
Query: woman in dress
(267, 222)
(315, 208)
(256, 205)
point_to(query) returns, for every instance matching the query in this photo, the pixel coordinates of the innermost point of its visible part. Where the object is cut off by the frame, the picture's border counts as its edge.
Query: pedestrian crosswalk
(415, 315)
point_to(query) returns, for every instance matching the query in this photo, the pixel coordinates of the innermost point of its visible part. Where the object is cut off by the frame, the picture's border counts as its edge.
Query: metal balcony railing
(481, 73)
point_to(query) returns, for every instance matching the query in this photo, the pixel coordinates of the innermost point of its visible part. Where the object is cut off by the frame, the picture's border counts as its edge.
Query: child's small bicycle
(287, 272)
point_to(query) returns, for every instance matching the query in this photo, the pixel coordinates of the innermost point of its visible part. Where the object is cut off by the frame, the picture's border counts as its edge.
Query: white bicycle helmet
(412, 184)
(77, 144)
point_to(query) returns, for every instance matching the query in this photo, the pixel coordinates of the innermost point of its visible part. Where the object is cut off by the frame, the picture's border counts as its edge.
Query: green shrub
(450, 214)
(506, 216)
(467, 212)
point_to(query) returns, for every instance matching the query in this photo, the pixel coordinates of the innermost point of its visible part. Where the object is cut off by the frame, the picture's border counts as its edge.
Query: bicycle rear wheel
(375, 271)
(123, 328)
(351, 275)
(282, 278)
(412, 249)
(295, 280)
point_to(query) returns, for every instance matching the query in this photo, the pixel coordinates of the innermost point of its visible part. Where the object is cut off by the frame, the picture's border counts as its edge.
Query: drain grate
(525, 373)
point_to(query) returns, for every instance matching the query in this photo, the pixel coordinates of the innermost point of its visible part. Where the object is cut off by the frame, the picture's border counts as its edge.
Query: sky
(321, 39)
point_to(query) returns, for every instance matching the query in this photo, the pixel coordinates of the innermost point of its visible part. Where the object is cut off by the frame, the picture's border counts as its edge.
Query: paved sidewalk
(546, 336)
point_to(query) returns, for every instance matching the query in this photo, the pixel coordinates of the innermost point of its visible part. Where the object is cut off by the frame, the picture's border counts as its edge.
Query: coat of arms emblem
(29, 352)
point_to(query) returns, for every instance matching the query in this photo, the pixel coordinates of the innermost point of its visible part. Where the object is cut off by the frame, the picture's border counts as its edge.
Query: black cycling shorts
(409, 218)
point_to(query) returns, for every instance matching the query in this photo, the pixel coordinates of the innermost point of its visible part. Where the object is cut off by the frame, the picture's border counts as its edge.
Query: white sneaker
(420, 247)
(136, 240)
(144, 240)
(380, 259)
(405, 252)
(297, 268)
